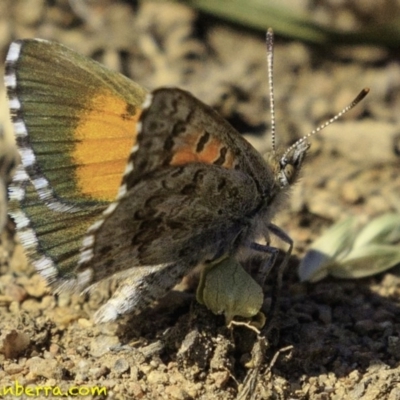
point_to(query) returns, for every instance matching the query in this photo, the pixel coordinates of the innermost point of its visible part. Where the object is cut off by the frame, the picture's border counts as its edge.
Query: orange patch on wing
(105, 135)
(229, 159)
(185, 151)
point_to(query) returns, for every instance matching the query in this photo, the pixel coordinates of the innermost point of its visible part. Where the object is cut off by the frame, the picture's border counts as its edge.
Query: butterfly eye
(290, 164)
(285, 174)
(289, 172)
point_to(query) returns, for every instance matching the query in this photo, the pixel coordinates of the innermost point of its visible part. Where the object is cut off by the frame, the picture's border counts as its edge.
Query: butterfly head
(290, 163)
(287, 166)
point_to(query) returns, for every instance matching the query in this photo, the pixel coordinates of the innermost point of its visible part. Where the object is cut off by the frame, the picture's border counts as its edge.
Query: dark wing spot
(221, 184)
(169, 143)
(189, 190)
(178, 172)
(147, 233)
(105, 250)
(222, 156)
(202, 142)
(199, 177)
(140, 215)
(153, 201)
(179, 128)
(129, 111)
(175, 225)
(234, 192)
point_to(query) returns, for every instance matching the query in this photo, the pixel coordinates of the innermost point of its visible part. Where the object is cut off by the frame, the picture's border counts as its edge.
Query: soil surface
(335, 339)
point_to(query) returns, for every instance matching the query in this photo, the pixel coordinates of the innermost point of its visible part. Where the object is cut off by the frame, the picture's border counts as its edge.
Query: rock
(45, 368)
(120, 366)
(15, 292)
(15, 343)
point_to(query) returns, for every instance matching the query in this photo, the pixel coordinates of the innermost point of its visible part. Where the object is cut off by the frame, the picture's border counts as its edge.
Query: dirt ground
(339, 339)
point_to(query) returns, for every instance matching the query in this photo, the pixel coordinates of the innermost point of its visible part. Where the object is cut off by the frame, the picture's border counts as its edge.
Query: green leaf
(367, 261)
(334, 244)
(344, 253)
(226, 288)
(262, 14)
(384, 229)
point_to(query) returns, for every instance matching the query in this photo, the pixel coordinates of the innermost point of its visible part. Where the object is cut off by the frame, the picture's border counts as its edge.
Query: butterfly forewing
(178, 129)
(75, 124)
(75, 121)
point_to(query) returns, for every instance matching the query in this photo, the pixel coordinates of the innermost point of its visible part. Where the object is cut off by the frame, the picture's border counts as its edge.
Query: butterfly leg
(135, 292)
(266, 268)
(278, 232)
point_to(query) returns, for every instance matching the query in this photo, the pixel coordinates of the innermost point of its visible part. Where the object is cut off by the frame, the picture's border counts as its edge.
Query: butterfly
(118, 182)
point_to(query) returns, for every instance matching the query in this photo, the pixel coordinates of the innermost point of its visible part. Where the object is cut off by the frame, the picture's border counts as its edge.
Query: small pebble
(102, 344)
(15, 343)
(13, 368)
(36, 286)
(220, 378)
(97, 373)
(54, 348)
(176, 393)
(157, 377)
(45, 368)
(136, 390)
(365, 326)
(32, 306)
(120, 366)
(15, 292)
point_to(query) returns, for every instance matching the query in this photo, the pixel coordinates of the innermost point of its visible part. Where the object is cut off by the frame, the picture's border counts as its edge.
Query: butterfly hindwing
(52, 238)
(164, 226)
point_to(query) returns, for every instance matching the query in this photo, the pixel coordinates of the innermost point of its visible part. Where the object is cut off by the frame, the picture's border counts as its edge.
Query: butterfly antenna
(270, 66)
(360, 96)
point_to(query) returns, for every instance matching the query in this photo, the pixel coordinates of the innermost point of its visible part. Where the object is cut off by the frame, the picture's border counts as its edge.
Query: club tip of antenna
(365, 91)
(361, 95)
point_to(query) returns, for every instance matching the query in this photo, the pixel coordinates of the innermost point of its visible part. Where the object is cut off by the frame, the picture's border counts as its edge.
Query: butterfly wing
(186, 157)
(169, 222)
(75, 121)
(183, 215)
(75, 124)
(178, 129)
